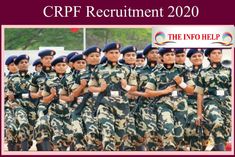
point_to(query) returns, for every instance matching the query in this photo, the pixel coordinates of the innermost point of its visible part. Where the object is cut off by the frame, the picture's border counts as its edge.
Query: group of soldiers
(148, 101)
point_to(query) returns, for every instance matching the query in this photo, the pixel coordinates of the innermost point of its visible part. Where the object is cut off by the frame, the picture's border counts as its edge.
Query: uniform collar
(215, 65)
(168, 66)
(151, 64)
(46, 69)
(195, 70)
(23, 73)
(60, 75)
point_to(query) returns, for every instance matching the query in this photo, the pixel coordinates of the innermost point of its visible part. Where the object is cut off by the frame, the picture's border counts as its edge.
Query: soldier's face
(93, 58)
(215, 56)
(196, 59)
(152, 55)
(46, 61)
(130, 58)
(168, 58)
(60, 68)
(140, 62)
(38, 67)
(12, 68)
(113, 55)
(180, 58)
(23, 65)
(79, 65)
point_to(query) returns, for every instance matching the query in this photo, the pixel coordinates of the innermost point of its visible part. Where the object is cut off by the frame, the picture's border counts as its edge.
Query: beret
(36, 62)
(179, 50)
(162, 51)
(61, 59)
(128, 49)
(193, 51)
(209, 50)
(21, 57)
(46, 52)
(10, 59)
(140, 55)
(148, 48)
(111, 46)
(77, 57)
(91, 50)
(70, 55)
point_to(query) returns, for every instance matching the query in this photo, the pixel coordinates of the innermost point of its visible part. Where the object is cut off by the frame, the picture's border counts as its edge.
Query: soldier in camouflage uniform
(42, 131)
(110, 80)
(70, 64)
(214, 98)
(10, 124)
(170, 104)
(180, 56)
(129, 57)
(92, 55)
(69, 92)
(193, 136)
(145, 117)
(38, 65)
(25, 110)
(58, 109)
(140, 60)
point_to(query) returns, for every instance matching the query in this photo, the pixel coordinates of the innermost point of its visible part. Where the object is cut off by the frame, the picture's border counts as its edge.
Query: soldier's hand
(104, 85)
(83, 82)
(71, 97)
(198, 120)
(178, 79)
(53, 91)
(39, 94)
(10, 95)
(123, 83)
(170, 89)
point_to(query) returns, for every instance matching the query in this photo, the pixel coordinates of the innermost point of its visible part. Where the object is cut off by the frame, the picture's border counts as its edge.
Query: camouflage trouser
(42, 127)
(62, 130)
(112, 116)
(23, 123)
(192, 136)
(26, 117)
(146, 127)
(172, 118)
(78, 131)
(10, 124)
(131, 140)
(91, 127)
(218, 115)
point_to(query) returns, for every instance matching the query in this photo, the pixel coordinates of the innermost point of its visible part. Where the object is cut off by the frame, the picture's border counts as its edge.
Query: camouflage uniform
(68, 85)
(192, 134)
(59, 115)
(25, 110)
(144, 116)
(42, 128)
(10, 121)
(91, 124)
(113, 105)
(215, 84)
(171, 109)
(131, 142)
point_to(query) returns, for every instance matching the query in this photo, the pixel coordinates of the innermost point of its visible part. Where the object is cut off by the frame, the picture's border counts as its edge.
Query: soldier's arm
(100, 89)
(199, 108)
(188, 88)
(80, 88)
(48, 94)
(35, 93)
(153, 93)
